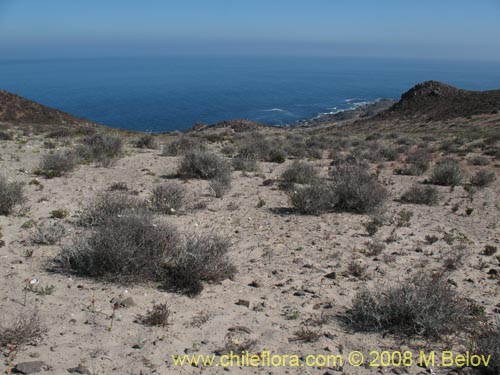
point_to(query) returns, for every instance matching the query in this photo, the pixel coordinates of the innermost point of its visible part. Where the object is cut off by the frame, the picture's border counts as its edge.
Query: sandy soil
(282, 261)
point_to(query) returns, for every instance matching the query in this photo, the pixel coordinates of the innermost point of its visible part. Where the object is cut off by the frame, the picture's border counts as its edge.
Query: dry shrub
(6, 136)
(262, 148)
(183, 145)
(158, 316)
(48, 233)
(425, 305)
(483, 178)
(168, 198)
(356, 189)
(418, 194)
(100, 148)
(298, 173)
(487, 343)
(108, 204)
(11, 195)
(57, 164)
(312, 199)
(27, 328)
(246, 163)
(146, 141)
(204, 165)
(201, 257)
(129, 247)
(417, 163)
(447, 173)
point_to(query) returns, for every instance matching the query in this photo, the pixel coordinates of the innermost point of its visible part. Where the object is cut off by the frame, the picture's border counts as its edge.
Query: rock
(254, 284)
(30, 367)
(127, 302)
(243, 302)
(331, 275)
(79, 370)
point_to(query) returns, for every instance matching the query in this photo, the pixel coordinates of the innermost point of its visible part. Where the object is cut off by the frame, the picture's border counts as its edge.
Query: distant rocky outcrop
(437, 101)
(18, 110)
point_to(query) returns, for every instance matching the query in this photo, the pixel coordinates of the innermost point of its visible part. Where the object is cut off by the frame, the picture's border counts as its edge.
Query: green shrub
(204, 165)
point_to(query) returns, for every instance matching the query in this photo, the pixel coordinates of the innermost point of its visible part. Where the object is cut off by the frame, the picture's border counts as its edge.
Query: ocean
(173, 93)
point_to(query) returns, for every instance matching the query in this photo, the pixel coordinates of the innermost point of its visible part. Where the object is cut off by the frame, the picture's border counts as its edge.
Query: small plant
(59, 214)
(404, 218)
(114, 307)
(118, 186)
(100, 148)
(469, 211)
(26, 328)
(454, 258)
(374, 248)
(430, 239)
(447, 173)
(28, 224)
(183, 145)
(479, 160)
(418, 194)
(48, 233)
(306, 335)
(483, 178)
(220, 185)
(158, 316)
(490, 250)
(11, 195)
(245, 163)
(356, 269)
(168, 198)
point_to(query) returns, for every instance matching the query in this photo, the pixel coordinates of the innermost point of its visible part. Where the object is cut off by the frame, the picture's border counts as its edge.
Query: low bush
(418, 194)
(356, 189)
(298, 173)
(27, 328)
(313, 199)
(48, 233)
(11, 195)
(57, 164)
(146, 141)
(220, 185)
(204, 165)
(200, 258)
(100, 148)
(263, 149)
(483, 178)
(5, 136)
(447, 173)
(425, 305)
(479, 160)
(417, 163)
(60, 133)
(487, 343)
(129, 247)
(108, 204)
(245, 163)
(182, 145)
(158, 316)
(168, 198)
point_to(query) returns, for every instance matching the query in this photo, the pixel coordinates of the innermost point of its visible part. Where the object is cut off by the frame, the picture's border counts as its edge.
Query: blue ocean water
(173, 93)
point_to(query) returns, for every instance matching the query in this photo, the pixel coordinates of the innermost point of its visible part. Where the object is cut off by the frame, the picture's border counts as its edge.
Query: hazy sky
(398, 28)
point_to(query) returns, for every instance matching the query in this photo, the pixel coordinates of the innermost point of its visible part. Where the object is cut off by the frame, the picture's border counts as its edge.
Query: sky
(427, 29)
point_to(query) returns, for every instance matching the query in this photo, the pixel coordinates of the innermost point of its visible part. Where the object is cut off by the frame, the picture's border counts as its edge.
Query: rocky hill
(436, 101)
(18, 110)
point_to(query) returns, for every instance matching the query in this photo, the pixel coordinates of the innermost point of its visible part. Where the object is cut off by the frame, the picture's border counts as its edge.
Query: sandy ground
(282, 262)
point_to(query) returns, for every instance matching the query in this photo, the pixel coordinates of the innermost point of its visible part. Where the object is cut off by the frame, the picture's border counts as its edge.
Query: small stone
(79, 370)
(127, 302)
(254, 284)
(331, 275)
(30, 367)
(243, 302)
